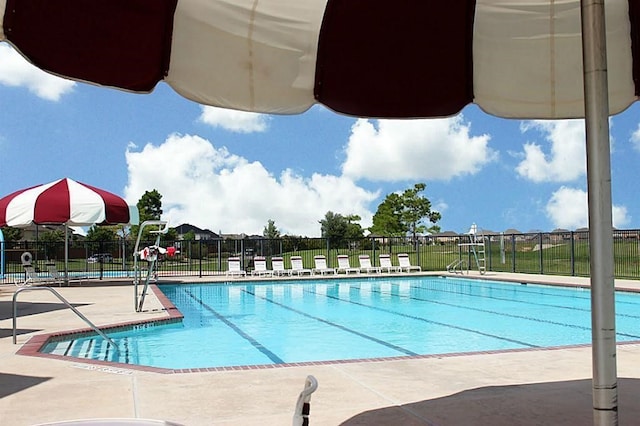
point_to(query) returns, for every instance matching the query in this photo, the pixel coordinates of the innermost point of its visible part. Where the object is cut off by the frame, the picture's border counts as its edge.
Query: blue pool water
(322, 320)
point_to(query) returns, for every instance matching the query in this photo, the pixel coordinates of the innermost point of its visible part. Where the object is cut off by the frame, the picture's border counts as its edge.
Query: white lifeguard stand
(477, 247)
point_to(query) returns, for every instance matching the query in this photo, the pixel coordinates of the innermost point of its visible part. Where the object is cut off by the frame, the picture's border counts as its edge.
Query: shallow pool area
(284, 322)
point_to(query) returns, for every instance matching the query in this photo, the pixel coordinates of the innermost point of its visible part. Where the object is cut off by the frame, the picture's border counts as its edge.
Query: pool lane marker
(442, 324)
(545, 321)
(259, 346)
(333, 324)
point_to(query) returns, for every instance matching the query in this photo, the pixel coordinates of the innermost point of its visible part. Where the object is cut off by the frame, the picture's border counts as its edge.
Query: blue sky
(232, 171)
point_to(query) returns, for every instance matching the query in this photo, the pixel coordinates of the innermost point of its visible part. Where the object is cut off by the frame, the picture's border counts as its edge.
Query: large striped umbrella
(371, 58)
(65, 202)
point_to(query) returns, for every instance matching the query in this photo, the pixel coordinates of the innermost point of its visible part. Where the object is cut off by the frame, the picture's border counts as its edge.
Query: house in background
(200, 234)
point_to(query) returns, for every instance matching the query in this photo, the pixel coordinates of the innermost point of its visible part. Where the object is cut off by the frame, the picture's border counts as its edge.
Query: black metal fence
(565, 253)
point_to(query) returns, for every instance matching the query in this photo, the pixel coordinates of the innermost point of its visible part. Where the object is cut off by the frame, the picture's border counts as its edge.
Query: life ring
(26, 258)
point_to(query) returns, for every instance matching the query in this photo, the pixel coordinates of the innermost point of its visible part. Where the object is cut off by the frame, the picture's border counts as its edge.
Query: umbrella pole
(604, 383)
(66, 254)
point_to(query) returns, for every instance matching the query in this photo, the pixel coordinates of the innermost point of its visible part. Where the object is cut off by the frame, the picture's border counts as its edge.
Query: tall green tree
(150, 205)
(404, 213)
(333, 227)
(387, 220)
(150, 208)
(416, 208)
(270, 230)
(338, 228)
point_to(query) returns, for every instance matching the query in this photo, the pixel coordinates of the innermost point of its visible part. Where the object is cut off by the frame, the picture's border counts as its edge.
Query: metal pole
(596, 102)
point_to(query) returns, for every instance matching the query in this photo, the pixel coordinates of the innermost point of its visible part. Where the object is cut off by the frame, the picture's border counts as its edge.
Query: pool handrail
(66, 302)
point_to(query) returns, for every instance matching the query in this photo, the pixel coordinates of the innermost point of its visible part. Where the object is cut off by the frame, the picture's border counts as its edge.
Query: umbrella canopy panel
(65, 201)
(368, 58)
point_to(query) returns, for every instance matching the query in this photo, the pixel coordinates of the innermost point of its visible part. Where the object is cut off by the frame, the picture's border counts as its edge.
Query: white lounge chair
(297, 268)
(33, 278)
(405, 263)
(260, 267)
(321, 265)
(345, 266)
(365, 264)
(234, 268)
(386, 265)
(277, 263)
(57, 276)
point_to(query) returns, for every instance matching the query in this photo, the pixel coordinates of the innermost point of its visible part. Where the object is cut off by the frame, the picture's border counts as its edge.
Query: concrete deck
(525, 387)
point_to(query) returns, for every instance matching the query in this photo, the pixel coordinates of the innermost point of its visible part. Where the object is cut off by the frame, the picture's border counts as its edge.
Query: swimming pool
(281, 322)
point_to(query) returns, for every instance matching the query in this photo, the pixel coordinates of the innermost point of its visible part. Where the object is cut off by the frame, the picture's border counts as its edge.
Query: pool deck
(522, 387)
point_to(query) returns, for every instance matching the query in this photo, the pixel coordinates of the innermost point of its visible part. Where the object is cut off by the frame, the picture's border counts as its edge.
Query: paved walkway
(529, 387)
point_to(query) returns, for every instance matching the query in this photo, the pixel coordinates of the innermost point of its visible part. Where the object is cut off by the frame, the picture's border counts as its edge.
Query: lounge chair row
(320, 266)
(53, 276)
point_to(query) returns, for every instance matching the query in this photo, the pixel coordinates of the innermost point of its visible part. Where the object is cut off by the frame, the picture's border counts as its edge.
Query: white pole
(594, 53)
(66, 254)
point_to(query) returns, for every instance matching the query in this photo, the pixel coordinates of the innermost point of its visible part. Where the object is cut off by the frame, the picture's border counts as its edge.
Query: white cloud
(16, 71)
(211, 188)
(566, 160)
(567, 208)
(414, 150)
(234, 121)
(635, 139)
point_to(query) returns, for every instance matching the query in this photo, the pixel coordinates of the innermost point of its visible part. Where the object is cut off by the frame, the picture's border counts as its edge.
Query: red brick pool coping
(33, 346)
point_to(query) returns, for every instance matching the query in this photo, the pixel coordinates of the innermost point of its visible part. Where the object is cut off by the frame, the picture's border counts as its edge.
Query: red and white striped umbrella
(374, 58)
(67, 202)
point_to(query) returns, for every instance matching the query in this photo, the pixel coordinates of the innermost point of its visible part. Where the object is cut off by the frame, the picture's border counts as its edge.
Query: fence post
(541, 253)
(200, 258)
(573, 257)
(513, 253)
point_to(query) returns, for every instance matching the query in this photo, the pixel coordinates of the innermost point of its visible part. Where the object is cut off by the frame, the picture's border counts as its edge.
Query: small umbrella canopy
(65, 202)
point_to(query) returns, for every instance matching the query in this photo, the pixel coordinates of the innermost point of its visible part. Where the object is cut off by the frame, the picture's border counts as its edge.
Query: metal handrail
(163, 228)
(63, 300)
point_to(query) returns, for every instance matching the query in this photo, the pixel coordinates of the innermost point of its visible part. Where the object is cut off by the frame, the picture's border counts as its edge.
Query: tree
(354, 230)
(11, 234)
(101, 233)
(415, 209)
(270, 230)
(402, 213)
(150, 208)
(51, 240)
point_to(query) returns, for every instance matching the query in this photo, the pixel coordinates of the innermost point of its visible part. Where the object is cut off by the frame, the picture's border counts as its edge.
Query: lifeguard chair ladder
(163, 228)
(477, 247)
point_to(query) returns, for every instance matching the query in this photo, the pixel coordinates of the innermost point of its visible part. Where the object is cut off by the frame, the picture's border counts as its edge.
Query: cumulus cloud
(395, 150)
(212, 188)
(234, 121)
(566, 159)
(15, 71)
(567, 208)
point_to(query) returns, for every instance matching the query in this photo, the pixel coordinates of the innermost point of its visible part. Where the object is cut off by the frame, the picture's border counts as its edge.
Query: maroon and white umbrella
(371, 58)
(65, 202)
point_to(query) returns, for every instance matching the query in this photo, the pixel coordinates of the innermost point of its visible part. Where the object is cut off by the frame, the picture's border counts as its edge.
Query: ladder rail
(67, 304)
(163, 228)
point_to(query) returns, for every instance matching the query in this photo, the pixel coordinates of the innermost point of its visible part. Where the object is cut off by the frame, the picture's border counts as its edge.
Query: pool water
(279, 322)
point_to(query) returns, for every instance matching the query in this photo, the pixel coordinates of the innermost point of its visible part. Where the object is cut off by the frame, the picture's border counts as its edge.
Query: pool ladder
(67, 304)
